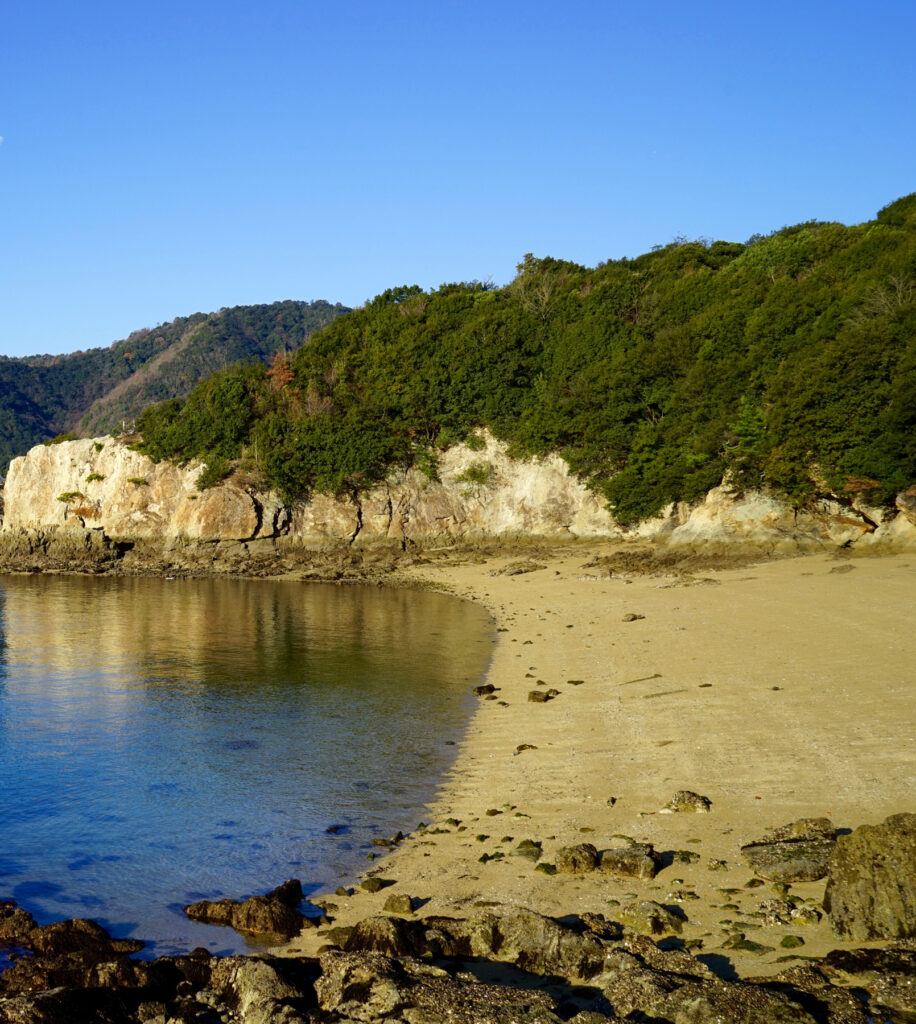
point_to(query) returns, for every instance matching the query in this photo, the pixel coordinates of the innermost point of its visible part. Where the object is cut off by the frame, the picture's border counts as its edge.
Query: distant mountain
(92, 392)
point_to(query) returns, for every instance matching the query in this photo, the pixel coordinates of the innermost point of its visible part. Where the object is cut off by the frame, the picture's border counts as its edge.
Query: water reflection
(167, 740)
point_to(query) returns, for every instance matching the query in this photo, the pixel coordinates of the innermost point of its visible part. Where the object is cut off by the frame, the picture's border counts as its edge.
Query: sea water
(165, 741)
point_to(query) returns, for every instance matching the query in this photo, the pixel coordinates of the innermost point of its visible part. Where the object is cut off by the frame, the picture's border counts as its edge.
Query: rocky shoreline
(500, 963)
(776, 685)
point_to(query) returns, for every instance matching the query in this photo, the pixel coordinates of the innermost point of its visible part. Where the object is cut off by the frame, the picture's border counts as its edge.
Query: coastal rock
(272, 914)
(650, 918)
(576, 860)
(389, 935)
(871, 889)
(888, 975)
(262, 915)
(639, 860)
(102, 487)
(371, 987)
(15, 923)
(398, 903)
(797, 852)
(262, 990)
(686, 802)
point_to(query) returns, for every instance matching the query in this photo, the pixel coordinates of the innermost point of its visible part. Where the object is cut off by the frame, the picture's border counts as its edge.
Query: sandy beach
(777, 689)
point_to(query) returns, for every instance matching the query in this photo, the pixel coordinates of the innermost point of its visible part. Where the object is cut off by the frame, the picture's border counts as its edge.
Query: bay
(163, 741)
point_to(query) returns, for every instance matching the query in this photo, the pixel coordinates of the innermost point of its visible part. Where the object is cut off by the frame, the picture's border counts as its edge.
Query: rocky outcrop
(581, 970)
(274, 914)
(97, 495)
(871, 886)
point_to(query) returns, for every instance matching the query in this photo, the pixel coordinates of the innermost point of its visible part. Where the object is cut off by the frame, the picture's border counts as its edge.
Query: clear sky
(161, 157)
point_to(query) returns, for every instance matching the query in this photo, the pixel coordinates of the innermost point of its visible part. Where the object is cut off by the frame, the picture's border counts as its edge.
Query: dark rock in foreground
(871, 891)
(581, 970)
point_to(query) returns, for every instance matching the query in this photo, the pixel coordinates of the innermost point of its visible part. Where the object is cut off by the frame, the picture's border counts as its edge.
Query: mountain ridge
(91, 391)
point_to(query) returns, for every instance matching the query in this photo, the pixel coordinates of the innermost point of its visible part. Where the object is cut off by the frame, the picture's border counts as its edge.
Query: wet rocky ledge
(499, 963)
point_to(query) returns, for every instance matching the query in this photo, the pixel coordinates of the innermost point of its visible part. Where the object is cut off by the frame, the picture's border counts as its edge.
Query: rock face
(871, 889)
(101, 488)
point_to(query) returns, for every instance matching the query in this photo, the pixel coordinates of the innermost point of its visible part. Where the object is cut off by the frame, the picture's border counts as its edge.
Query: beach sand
(779, 690)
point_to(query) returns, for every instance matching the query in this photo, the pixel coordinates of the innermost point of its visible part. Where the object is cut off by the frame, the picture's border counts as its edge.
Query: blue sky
(162, 157)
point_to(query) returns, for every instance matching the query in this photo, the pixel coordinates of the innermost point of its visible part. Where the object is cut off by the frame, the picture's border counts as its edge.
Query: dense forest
(92, 392)
(786, 362)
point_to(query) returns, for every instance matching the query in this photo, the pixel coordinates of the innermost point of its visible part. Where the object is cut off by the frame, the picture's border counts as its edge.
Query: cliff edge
(98, 498)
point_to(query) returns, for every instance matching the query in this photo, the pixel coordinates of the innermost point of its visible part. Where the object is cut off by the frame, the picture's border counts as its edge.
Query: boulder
(638, 860)
(372, 987)
(871, 889)
(577, 860)
(887, 975)
(686, 802)
(389, 935)
(797, 852)
(650, 918)
(272, 914)
(263, 915)
(15, 923)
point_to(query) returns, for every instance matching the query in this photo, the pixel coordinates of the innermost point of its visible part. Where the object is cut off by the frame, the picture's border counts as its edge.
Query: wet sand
(778, 690)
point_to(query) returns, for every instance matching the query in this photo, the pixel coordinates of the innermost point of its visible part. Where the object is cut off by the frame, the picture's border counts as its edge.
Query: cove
(164, 741)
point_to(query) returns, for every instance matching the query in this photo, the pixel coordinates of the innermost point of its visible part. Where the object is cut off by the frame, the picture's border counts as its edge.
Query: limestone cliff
(100, 492)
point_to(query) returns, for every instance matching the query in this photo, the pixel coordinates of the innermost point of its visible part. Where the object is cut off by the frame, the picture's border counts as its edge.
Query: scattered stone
(650, 918)
(575, 682)
(791, 941)
(530, 849)
(638, 860)
(632, 617)
(374, 884)
(398, 903)
(539, 696)
(486, 688)
(871, 889)
(798, 852)
(547, 869)
(493, 811)
(684, 801)
(577, 860)
(717, 865)
(685, 857)
(525, 746)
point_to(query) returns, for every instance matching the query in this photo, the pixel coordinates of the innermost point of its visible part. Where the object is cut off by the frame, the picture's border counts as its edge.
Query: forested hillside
(787, 362)
(93, 391)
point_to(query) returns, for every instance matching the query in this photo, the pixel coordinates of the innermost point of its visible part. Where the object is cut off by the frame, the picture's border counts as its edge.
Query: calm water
(166, 741)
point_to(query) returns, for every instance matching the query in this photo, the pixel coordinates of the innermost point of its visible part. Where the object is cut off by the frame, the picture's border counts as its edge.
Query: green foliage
(94, 476)
(95, 391)
(788, 362)
(69, 496)
(480, 474)
(60, 439)
(217, 469)
(98, 445)
(140, 481)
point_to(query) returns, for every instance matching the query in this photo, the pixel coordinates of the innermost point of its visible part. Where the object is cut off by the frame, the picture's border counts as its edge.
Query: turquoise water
(167, 741)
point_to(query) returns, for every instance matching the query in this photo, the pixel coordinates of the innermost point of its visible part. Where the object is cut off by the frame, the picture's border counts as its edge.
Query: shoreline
(776, 688)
